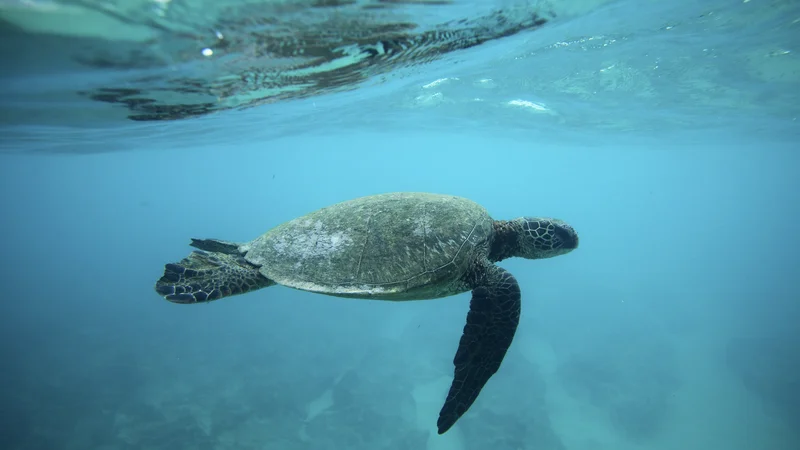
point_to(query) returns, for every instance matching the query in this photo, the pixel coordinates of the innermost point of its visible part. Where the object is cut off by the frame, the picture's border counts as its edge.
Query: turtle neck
(505, 243)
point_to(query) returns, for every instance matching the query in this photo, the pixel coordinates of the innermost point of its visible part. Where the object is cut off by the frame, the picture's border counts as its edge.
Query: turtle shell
(397, 246)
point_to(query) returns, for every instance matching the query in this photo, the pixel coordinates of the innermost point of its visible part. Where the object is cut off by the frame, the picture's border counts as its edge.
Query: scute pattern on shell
(396, 246)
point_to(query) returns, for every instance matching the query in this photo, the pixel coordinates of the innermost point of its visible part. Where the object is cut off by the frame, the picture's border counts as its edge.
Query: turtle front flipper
(491, 323)
(205, 276)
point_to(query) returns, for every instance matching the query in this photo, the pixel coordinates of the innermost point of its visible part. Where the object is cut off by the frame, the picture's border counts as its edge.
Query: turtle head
(541, 237)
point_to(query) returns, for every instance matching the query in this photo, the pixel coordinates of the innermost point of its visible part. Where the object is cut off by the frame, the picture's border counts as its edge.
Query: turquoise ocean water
(665, 133)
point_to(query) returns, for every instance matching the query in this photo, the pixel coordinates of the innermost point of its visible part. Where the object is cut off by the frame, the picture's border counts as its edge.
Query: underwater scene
(400, 225)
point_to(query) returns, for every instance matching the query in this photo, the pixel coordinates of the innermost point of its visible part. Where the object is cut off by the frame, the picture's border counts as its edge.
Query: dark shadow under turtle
(396, 246)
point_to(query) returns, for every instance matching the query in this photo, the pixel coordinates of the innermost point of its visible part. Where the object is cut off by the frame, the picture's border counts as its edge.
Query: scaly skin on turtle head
(532, 238)
(542, 237)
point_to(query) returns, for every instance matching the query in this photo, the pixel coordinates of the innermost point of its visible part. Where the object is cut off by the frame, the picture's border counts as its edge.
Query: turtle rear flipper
(491, 324)
(204, 276)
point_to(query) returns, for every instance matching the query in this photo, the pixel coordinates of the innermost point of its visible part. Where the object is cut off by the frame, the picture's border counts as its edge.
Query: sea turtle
(394, 246)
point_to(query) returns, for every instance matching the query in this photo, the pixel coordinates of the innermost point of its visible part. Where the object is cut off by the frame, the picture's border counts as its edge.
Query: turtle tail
(205, 276)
